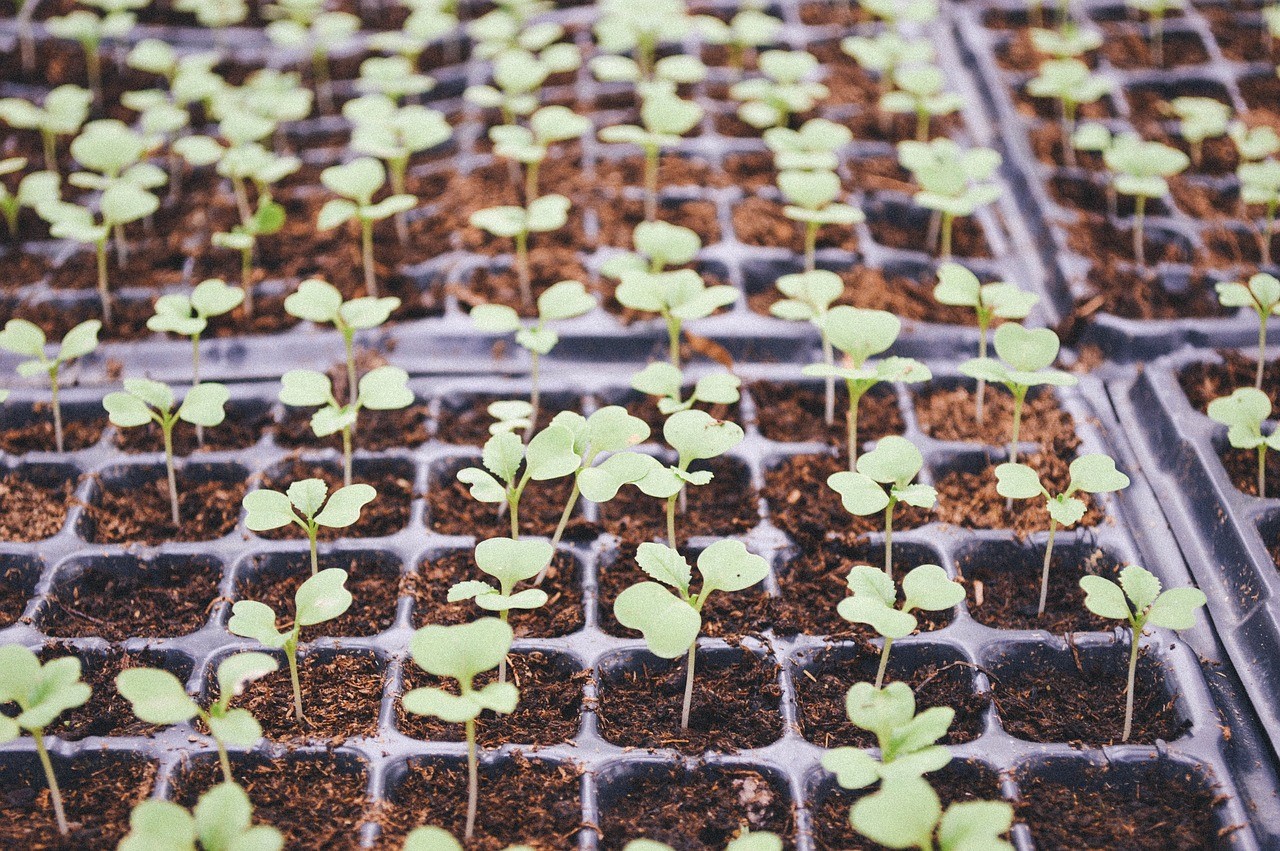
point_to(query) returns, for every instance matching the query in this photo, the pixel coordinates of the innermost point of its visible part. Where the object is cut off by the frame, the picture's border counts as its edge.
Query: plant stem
(195, 379)
(473, 780)
(1019, 396)
(324, 90)
(54, 793)
(671, 523)
(980, 412)
(346, 456)
(1044, 573)
(50, 143)
(888, 538)
(291, 653)
(1262, 471)
(93, 66)
(673, 340)
(104, 294)
(884, 662)
(688, 685)
(530, 183)
(366, 257)
(535, 395)
(922, 124)
(1068, 125)
(810, 245)
(1139, 247)
(851, 418)
(166, 429)
(1262, 350)
(57, 407)
(396, 173)
(947, 220)
(26, 43)
(502, 663)
(224, 759)
(513, 505)
(315, 548)
(242, 200)
(522, 269)
(650, 183)
(1157, 30)
(828, 358)
(1269, 230)
(1134, 634)
(246, 279)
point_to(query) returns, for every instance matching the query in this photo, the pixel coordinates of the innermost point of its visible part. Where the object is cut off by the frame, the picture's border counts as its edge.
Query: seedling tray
(1203, 693)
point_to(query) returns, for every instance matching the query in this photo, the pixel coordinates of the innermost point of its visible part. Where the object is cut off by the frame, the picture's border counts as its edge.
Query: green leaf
(322, 597)
(957, 286)
(601, 483)
(1245, 408)
(237, 671)
(885, 620)
(854, 768)
(612, 428)
(305, 388)
(859, 494)
(1104, 598)
(159, 826)
(461, 651)
(1066, 511)
(367, 312)
(315, 300)
(659, 378)
(80, 340)
(213, 297)
(156, 696)
(22, 338)
(267, 509)
(697, 435)
(670, 245)
(343, 506)
(529, 598)
(482, 486)
(307, 495)
(1176, 608)
(357, 180)
(511, 561)
(894, 459)
(564, 300)
(126, 411)
(1140, 586)
(726, 565)
(430, 839)
(976, 826)
(385, 389)
(928, 587)
(547, 213)
(665, 565)
(550, 454)
(235, 728)
(902, 814)
(1026, 349)
(495, 318)
(669, 624)
(203, 404)
(502, 455)
(251, 619)
(1097, 473)
(1018, 481)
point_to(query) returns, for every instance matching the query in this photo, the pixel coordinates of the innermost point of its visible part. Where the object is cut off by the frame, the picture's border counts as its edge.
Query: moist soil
(761, 222)
(316, 801)
(950, 413)
(549, 711)
(1242, 467)
(451, 510)
(374, 583)
(735, 703)
(378, 430)
(561, 615)
(157, 600)
(328, 684)
(386, 515)
(797, 412)
(1204, 381)
(35, 506)
(693, 810)
(98, 791)
(242, 428)
(469, 426)
(107, 712)
(724, 506)
(970, 500)
(1004, 586)
(910, 298)
(16, 586)
(133, 511)
(522, 800)
(35, 433)
(823, 681)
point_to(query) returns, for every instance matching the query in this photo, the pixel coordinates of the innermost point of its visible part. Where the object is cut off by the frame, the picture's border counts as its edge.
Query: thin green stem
(55, 794)
(473, 780)
(224, 758)
(502, 663)
(851, 423)
(828, 358)
(1262, 350)
(246, 279)
(324, 90)
(513, 508)
(1019, 396)
(672, 541)
(922, 124)
(166, 428)
(291, 653)
(1269, 230)
(688, 685)
(884, 662)
(57, 407)
(947, 220)
(104, 293)
(346, 456)
(535, 395)
(888, 537)
(396, 173)
(366, 257)
(1262, 471)
(531, 183)
(810, 245)
(93, 65)
(315, 547)
(348, 341)
(673, 340)
(980, 413)
(523, 277)
(50, 143)
(1044, 572)
(1135, 633)
(651, 182)
(1139, 245)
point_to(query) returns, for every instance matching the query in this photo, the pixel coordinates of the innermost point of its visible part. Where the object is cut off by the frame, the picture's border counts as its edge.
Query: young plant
(26, 339)
(895, 462)
(357, 182)
(784, 91)
(677, 296)
(42, 693)
(883, 54)
(145, 401)
(1243, 412)
(510, 562)
(873, 601)
(541, 215)
(1262, 294)
(221, 821)
(63, 112)
(511, 465)
(658, 245)
(959, 287)
(1260, 184)
(814, 147)
(954, 182)
(322, 597)
(626, 28)
(1071, 40)
(462, 653)
(1200, 118)
(1138, 601)
(215, 16)
(1253, 143)
(304, 504)
(860, 334)
(808, 298)
(34, 189)
(918, 90)
(1095, 473)
(747, 840)
(565, 300)
(189, 315)
(1024, 359)
(671, 622)
(666, 382)
(664, 118)
(895, 13)
(907, 813)
(746, 32)
(113, 20)
(518, 75)
(1072, 83)
(321, 302)
(304, 24)
(1155, 11)
(393, 77)
(1138, 168)
(383, 389)
(158, 697)
(811, 199)
(529, 145)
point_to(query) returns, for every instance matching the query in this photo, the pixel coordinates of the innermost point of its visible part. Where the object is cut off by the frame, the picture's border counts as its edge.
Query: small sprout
(664, 118)
(1200, 118)
(1141, 169)
(145, 401)
(665, 381)
(1252, 143)
(529, 145)
(747, 31)
(1025, 356)
(215, 16)
(671, 623)
(678, 296)
(954, 182)
(811, 197)
(808, 298)
(895, 13)
(1071, 41)
(510, 562)
(541, 215)
(565, 300)
(509, 415)
(895, 461)
(63, 112)
(1072, 83)
(623, 27)
(908, 741)
(784, 91)
(1094, 473)
(511, 465)
(1138, 601)
(747, 840)
(190, 315)
(303, 24)
(26, 339)
(919, 91)
(115, 20)
(1262, 294)
(813, 147)
(1155, 11)
(357, 182)
(158, 697)
(221, 821)
(860, 334)
(34, 189)
(302, 504)
(463, 652)
(885, 53)
(1260, 184)
(1243, 412)
(517, 76)
(322, 597)
(874, 601)
(42, 693)
(907, 813)
(659, 245)
(509, 27)
(394, 77)
(669, 72)
(959, 287)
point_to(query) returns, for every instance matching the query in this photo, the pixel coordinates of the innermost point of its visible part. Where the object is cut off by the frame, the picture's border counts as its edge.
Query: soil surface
(970, 499)
(949, 413)
(33, 431)
(35, 504)
(724, 506)
(162, 599)
(243, 427)
(1204, 381)
(17, 582)
(328, 683)
(451, 510)
(136, 509)
(1004, 586)
(107, 712)
(386, 515)
(373, 580)
(796, 412)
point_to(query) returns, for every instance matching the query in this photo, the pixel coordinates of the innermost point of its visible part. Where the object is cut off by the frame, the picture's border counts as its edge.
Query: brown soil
(549, 711)
(562, 614)
(522, 800)
(910, 298)
(795, 412)
(693, 810)
(1004, 582)
(1242, 467)
(1101, 241)
(1206, 380)
(619, 217)
(1239, 41)
(970, 500)
(949, 413)
(107, 712)
(822, 684)
(160, 599)
(242, 428)
(548, 265)
(724, 506)
(377, 431)
(1129, 49)
(674, 170)
(327, 685)
(386, 515)
(1133, 295)
(469, 426)
(909, 233)
(646, 408)
(374, 584)
(17, 583)
(758, 221)
(35, 504)
(35, 434)
(98, 791)
(138, 511)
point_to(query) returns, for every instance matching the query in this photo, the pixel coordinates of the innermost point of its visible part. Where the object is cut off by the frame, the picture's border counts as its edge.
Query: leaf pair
(41, 692)
(1094, 473)
(894, 461)
(221, 821)
(510, 562)
(461, 652)
(874, 598)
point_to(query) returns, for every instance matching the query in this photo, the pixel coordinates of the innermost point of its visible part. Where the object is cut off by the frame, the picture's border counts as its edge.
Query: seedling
(509, 415)
(322, 597)
(1138, 600)
(874, 601)
(383, 389)
(357, 182)
(529, 145)
(42, 693)
(747, 31)
(809, 296)
(1138, 168)
(664, 118)
(1072, 83)
(1260, 184)
(671, 622)
(433, 838)
(113, 154)
(895, 13)
(393, 77)
(565, 300)
(425, 24)
(221, 821)
(624, 27)
(303, 24)
(189, 315)
(113, 20)
(1243, 412)
(859, 334)
(145, 401)
(541, 215)
(784, 91)
(463, 652)
(885, 53)
(677, 296)
(666, 382)
(812, 200)
(1095, 473)
(919, 91)
(510, 562)
(511, 465)
(26, 39)
(1253, 143)
(304, 504)
(907, 813)
(1200, 118)
(813, 147)
(659, 245)
(1155, 11)
(509, 27)
(668, 74)
(895, 461)
(26, 339)
(63, 112)
(158, 697)
(215, 16)
(1024, 362)
(34, 189)
(1072, 40)
(954, 182)
(748, 840)
(959, 287)
(1262, 294)
(518, 74)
